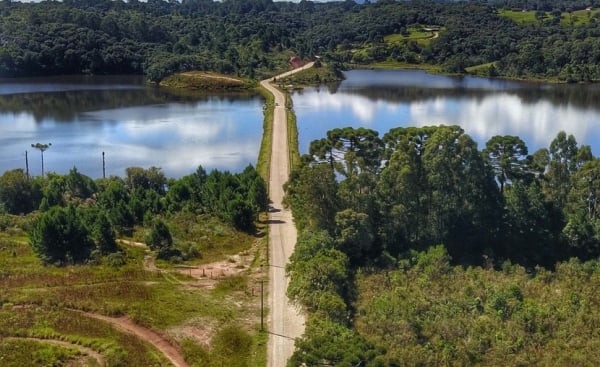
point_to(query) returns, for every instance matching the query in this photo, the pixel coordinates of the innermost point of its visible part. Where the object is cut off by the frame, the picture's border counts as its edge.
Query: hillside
(256, 38)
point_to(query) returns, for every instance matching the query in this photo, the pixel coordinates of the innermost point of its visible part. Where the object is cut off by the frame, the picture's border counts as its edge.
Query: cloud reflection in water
(533, 115)
(178, 137)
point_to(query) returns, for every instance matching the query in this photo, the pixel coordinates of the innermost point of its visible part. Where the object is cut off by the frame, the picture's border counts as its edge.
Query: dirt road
(285, 322)
(159, 342)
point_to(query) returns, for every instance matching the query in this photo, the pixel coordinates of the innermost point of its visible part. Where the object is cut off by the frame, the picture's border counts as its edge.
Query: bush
(59, 236)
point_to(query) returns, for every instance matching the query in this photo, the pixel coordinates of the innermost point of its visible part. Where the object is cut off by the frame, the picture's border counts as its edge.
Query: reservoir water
(132, 123)
(381, 100)
(139, 125)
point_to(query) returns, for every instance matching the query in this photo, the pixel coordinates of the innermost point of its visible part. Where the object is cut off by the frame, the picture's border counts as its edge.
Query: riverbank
(207, 81)
(482, 71)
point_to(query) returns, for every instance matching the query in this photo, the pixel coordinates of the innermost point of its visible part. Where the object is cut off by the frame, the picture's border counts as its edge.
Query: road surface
(285, 322)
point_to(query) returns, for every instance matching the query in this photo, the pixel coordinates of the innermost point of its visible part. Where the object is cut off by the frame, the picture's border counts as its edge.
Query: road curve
(285, 321)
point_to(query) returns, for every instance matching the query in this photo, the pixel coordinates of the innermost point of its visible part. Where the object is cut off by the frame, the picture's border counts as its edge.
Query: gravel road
(285, 321)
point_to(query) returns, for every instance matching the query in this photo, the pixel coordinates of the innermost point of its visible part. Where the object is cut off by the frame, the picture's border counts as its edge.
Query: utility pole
(262, 305)
(103, 166)
(26, 165)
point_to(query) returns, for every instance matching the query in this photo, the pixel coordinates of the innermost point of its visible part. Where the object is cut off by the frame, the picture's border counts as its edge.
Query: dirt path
(83, 350)
(125, 324)
(285, 322)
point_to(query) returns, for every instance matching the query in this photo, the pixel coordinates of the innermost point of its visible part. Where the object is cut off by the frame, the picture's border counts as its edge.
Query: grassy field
(519, 17)
(416, 33)
(576, 18)
(200, 80)
(579, 17)
(200, 316)
(391, 64)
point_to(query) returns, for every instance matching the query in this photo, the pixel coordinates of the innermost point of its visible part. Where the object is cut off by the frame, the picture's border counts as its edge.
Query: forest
(417, 248)
(74, 219)
(254, 38)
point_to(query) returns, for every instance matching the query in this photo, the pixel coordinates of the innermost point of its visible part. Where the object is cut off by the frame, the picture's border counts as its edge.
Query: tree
(241, 214)
(562, 164)
(42, 148)
(311, 191)
(159, 239)
(507, 157)
(148, 179)
(159, 236)
(326, 272)
(103, 235)
(78, 185)
(583, 210)
(354, 234)
(329, 343)
(59, 236)
(19, 194)
(532, 226)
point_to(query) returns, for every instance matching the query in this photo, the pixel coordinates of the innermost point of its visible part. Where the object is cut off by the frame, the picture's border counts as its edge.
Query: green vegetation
(264, 155)
(421, 34)
(292, 128)
(429, 312)
(62, 261)
(521, 16)
(19, 352)
(255, 39)
(204, 81)
(578, 18)
(417, 249)
(318, 74)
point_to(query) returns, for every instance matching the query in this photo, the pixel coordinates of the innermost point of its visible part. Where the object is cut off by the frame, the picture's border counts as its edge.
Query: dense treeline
(416, 187)
(254, 38)
(79, 218)
(367, 202)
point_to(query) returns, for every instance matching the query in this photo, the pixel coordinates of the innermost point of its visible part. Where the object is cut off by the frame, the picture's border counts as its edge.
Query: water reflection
(483, 107)
(133, 124)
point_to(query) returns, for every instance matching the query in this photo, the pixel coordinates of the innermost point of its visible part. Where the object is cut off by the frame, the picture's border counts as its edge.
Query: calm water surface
(381, 100)
(134, 124)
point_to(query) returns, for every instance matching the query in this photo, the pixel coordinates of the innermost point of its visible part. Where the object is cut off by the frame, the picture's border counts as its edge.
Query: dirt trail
(159, 342)
(84, 350)
(285, 321)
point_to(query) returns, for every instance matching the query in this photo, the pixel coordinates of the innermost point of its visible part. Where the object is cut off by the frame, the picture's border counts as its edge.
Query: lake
(140, 125)
(381, 100)
(134, 124)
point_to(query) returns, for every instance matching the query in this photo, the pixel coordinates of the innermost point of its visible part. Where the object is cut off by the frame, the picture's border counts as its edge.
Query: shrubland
(83, 252)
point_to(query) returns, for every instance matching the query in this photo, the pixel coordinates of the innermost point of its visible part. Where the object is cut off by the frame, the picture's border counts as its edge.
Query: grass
(579, 18)
(576, 18)
(415, 33)
(40, 301)
(292, 127)
(311, 76)
(18, 353)
(200, 80)
(519, 17)
(264, 155)
(214, 239)
(391, 65)
(117, 348)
